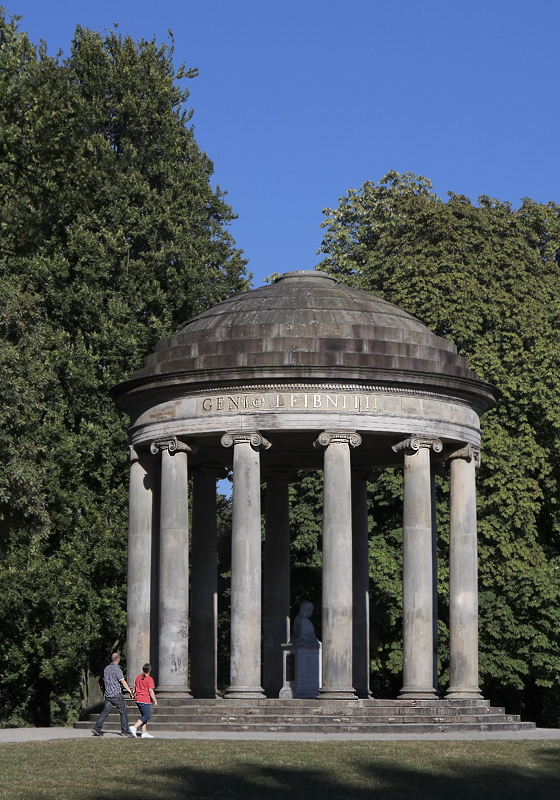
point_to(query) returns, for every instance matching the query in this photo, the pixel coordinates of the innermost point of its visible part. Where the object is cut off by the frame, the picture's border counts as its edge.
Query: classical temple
(302, 374)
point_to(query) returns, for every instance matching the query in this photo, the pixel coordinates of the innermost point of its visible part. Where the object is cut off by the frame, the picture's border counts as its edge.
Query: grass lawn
(125, 769)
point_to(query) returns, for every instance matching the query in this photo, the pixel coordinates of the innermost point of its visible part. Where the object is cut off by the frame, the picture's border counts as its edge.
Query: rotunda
(302, 374)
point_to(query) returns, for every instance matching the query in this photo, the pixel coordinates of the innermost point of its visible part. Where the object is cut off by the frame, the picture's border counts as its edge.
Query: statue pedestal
(302, 671)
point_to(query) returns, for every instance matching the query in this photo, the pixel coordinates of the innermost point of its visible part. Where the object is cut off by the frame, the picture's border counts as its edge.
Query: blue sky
(296, 102)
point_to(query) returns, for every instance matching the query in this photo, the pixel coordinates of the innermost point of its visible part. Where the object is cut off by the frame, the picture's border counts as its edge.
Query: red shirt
(142, 694)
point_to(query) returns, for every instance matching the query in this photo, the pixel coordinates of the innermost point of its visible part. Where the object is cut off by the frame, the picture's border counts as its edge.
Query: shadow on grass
(359, 779)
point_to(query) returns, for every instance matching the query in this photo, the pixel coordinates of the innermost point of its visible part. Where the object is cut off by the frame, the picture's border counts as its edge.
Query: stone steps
(270, 702)
(199, 719)
(186, 714)
(317, 716)
(378, 728)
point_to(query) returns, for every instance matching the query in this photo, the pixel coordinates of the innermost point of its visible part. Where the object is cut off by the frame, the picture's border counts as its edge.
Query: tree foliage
(112, 237)
(487, 277)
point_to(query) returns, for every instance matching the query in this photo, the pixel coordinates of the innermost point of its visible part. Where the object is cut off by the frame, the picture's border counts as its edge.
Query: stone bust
(304, 632)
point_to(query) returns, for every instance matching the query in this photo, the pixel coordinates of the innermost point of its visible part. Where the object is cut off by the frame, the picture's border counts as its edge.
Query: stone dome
(307, 326)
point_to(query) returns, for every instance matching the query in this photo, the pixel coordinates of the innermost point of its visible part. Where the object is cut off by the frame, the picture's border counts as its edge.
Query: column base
(463, 693)
(337, 693)
(174, 691)
(244, 693)
(418, 693)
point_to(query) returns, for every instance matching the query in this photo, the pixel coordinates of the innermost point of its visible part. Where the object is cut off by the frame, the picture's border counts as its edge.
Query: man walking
(113, 679)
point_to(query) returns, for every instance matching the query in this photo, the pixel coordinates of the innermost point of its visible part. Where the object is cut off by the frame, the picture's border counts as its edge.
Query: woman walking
(144, 695)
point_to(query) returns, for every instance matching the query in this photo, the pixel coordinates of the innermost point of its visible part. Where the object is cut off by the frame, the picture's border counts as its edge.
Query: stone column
(204, 583)
(463, 576)
(360, 585)
(337, 565)
(173, 568)
(139, 573)
(436, 469)
(276, 580)
(245, 656)
(418, 637)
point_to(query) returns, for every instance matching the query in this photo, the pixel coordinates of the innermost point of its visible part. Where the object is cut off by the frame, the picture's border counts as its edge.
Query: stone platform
(323, 716)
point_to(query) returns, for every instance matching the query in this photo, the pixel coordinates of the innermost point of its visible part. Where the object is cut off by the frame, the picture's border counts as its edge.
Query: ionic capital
(280, 474)
(216, 471)
(136, 454)
(362, 474)
(173, 445)
(413, 444)
(253, 438)
(469, 453)
(337, 437)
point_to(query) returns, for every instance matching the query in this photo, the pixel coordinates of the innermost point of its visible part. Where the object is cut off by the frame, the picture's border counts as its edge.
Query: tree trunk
(41, 703)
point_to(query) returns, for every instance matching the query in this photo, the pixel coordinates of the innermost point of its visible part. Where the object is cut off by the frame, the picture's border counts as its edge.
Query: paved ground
(45, 734)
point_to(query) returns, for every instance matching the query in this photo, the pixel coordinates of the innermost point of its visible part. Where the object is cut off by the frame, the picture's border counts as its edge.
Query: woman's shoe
(146, 736)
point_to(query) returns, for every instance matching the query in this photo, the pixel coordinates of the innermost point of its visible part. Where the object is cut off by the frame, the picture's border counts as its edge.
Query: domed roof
(305, 325)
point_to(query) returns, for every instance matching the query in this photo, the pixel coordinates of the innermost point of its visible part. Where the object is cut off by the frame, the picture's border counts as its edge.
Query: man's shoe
(133, 730)
(97, 733)
(146, 736)
(127, 735)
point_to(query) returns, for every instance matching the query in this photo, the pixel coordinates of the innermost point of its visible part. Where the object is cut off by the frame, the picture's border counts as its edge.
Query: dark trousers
(113, 702)
(145, 710)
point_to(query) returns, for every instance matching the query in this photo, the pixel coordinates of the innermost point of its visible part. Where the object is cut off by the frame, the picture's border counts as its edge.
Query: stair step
(319, 716)
(378, 728)
(290, 704)
(315, 719)
(186, 713)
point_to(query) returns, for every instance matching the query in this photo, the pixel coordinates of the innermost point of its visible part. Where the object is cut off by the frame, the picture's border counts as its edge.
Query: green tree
(113, 237)
(488, 278)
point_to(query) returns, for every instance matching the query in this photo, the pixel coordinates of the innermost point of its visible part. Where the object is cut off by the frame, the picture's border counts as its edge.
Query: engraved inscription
(287, 401)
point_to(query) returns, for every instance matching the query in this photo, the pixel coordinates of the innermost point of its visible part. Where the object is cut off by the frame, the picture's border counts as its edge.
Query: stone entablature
(379, 411)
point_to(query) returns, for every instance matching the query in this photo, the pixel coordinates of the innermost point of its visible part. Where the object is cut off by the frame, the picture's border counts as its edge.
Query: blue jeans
(113, 702)
(145, 710)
